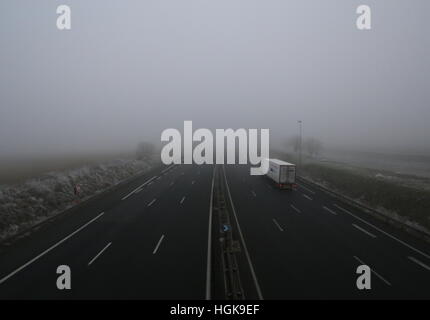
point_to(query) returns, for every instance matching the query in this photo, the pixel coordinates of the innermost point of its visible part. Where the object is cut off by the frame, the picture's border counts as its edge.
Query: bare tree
(144, 150)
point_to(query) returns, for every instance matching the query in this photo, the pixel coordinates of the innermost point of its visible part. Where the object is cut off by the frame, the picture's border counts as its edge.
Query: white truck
(283, 173)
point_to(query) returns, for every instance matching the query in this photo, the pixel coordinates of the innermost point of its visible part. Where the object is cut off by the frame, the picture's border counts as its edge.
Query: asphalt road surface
(148, 239)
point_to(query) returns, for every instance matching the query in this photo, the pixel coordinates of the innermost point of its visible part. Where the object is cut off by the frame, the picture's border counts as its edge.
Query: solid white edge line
(364, 231)
(209, 256)
(254, 276)
(382, 231)
(168, 168)
(329, 210)
(98, 254)
(295, 208)
(49, 249)
(277, 224)
(134, 190)
(418, 262)
(377, 274)
(158, 245)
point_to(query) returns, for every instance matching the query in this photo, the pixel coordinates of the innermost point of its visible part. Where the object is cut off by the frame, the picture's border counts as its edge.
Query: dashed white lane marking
(373, 271)
(98, 254)
(277, 224)
(329, 210)
(158, 245)
(253, 193)
(172, 183)
(192, 182)
(49, 249)
(364, 231)
(150, 204)
(182, 200)
(382, 231)
(306, 196)
(139, 187)
(307, 189)
(295, 208)
(418, 262)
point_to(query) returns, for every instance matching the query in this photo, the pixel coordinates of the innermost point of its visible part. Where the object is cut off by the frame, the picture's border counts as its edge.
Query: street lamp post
(300, 142)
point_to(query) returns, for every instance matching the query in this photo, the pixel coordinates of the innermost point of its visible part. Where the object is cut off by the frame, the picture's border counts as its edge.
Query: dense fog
(129, 69)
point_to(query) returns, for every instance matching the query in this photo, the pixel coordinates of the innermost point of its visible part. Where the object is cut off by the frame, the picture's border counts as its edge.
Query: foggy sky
(129, 69)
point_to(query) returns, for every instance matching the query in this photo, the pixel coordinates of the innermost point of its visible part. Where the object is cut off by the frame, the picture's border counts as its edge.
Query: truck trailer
(282, 173)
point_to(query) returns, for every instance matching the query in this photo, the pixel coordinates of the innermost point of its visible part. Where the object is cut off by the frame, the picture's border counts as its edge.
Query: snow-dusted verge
(29, 203)
(402, 219)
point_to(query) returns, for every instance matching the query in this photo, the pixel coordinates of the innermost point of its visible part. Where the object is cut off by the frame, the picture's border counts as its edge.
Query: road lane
(178, 269)
(313, 258)
(130, 226)
(154, 243)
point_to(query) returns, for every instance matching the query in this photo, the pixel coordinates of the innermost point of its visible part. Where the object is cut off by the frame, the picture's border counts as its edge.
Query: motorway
(149, 239)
